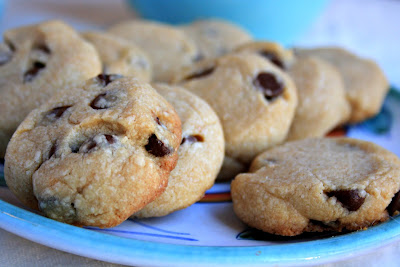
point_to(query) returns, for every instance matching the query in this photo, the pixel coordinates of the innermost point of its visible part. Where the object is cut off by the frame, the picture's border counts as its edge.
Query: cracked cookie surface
(36, 62)
(321, 184)
(96, 155)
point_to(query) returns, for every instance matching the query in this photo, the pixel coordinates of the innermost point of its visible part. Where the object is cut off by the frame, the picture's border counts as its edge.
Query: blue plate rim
(123, 250)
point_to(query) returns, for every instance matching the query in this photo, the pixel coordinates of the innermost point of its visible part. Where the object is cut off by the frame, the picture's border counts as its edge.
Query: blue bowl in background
(277, 20)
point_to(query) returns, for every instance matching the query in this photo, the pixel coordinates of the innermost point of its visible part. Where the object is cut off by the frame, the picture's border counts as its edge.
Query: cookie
(322, 98)
(200, 154)
(119, 56)
(214, 37)
(365, 83)
(274, 52)
(168, 48)
(254, 100)
(320, 184)
(36, 62)
(96, 155)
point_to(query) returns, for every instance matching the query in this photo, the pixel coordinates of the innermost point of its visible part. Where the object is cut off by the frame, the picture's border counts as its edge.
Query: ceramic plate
(208, 232)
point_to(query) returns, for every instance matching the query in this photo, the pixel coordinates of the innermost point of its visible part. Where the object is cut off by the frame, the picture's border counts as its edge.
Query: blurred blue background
(280, 20)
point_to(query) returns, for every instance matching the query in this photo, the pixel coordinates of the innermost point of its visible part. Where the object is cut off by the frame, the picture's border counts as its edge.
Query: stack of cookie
(111, 113)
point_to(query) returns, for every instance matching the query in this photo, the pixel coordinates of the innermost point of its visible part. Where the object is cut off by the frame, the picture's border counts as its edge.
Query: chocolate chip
(350, 199)
(200, 74)
(273, 58)
(56, 113)
(5, 57)
(192, 139)
(110, 139)
(394, 204)
(158, 121)
(103, 101)
(157, 147)
(33, 71)
(269, 85)
(105, 79)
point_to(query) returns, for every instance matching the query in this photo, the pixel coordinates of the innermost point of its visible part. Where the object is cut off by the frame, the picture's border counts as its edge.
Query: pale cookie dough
(168, 48)
(200, 154)
(323, 184)
(119, 56)
(322, 98)
(36, 62)
(254, 100)
(96, 155)
(365, 83)
(274, 52)
(215, 38)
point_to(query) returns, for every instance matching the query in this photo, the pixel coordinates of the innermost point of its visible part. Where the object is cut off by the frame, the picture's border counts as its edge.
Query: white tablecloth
(370, 27)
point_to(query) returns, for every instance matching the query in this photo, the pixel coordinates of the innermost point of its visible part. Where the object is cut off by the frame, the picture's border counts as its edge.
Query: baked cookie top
(214, 37)
(365, 83)
(119, 56)
(36, 62)
(168, 48)
(322, 104)
(200, 154)
(254, 100)
(317, 184)
(95, 155)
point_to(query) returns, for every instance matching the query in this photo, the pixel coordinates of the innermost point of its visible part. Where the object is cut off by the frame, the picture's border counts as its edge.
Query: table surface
(369, 27)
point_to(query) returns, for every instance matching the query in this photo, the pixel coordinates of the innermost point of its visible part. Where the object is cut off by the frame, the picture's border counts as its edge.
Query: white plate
(208, 232)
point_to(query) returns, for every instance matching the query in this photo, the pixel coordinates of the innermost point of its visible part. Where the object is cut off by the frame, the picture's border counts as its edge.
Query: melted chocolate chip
(105, 79)
(158, 121)
(192, 139)
(350, 199)
(110, 139)
(33, 71)
(103, 101)
(56, 113)
(395, 204)
(157, 147)
(200, 74)
(273, 58)
(269, 85)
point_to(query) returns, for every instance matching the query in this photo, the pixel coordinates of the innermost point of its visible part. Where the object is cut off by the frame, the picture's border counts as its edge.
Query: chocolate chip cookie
(36, 62)
(323, 184)
(119, 56)
(365, 82)
(96, 155)
(254, 99)
(168, 48)
(200, 154)
(322, 98)
(274, 52)
(214, 37)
